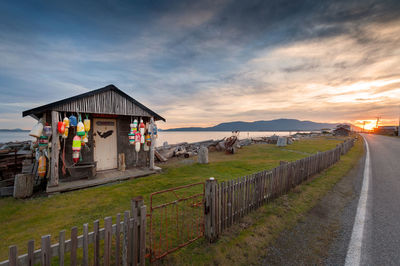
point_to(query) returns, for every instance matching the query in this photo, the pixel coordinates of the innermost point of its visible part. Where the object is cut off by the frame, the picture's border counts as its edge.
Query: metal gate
(176, 219)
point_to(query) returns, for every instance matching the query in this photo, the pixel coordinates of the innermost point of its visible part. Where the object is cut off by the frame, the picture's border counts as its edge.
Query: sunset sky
(199, 63)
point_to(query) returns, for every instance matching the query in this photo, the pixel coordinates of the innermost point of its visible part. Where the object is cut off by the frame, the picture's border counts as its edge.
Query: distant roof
(387, 127)
(345, 127)
(67, 104)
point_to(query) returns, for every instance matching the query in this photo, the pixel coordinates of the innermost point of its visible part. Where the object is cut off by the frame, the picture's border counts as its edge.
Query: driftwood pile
(13, 157)
(229, 145)
(184, 149)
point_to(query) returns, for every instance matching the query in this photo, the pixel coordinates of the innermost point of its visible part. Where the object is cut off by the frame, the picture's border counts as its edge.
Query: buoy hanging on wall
(85, 139)
(146, 145)
(37, 130)
(76, 143)
(73, 122)
(80, 129)
(137, 141)
(61, 127)
(65, 134)
(155, 131)
(43, 141)
(42, 166)
(86, 123)
(141, 127)
(131, 138)
(66, 122)
(75, 156)
(47, 131)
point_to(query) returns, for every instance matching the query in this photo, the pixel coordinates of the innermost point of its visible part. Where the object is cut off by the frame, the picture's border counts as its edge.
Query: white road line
(353, 256)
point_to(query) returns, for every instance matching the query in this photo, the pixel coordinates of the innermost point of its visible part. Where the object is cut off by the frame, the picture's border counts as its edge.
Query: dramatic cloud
(206, 62)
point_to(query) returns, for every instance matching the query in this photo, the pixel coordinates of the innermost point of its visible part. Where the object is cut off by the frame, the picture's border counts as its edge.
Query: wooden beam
(152, 144)
(54, 150)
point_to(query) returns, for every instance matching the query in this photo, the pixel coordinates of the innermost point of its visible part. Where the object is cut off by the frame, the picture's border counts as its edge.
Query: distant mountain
(13, 130)
(272, 125)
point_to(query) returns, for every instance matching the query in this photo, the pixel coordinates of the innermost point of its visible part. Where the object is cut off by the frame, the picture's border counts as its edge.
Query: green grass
(245, 243)
(22, 220)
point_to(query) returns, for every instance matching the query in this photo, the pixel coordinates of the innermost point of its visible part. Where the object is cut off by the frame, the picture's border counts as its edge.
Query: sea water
(171, 137)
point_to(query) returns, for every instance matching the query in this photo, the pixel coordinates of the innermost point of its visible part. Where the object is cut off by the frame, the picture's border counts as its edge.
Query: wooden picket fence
(227, 202)
(123, 243)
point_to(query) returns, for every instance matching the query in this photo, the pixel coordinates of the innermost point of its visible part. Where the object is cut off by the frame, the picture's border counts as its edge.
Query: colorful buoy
(65, 134)
(73, 121)
(61, 127)
(42, 166)
(66, 122)
(76, 143)
(75, 156)
(80, 129)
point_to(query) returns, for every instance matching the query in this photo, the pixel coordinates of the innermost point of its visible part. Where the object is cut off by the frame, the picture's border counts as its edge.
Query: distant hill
(272, 125)
(13, 130)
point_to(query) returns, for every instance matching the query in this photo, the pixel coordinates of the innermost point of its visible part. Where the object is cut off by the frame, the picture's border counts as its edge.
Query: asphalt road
(381, 241)
(324, 235)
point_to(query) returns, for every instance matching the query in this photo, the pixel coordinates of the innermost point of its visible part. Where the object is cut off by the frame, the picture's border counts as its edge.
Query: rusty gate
(176, 219)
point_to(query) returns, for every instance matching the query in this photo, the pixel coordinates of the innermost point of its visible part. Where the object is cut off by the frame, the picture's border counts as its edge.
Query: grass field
(245, 243)
(22, 220)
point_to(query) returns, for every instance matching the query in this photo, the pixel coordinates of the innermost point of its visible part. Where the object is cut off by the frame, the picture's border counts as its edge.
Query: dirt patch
(309, 242)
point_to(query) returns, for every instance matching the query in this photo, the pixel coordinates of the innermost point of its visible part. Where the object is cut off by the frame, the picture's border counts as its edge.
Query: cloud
(207, 62)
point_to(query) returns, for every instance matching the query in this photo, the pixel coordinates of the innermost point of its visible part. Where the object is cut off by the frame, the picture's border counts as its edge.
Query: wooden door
(105, 139)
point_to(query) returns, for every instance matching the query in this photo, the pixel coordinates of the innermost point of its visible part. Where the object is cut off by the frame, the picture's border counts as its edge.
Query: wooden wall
(124, 146)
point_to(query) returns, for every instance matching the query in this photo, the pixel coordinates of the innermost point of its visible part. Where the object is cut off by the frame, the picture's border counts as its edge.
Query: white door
(105, 140)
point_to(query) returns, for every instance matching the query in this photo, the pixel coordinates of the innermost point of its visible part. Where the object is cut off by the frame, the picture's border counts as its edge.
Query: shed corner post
(152, 144)
(210, 232)
(54, 150)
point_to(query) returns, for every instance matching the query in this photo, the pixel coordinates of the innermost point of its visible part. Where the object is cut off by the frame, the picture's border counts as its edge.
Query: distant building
(386, 130)
(326, 131)
(342, 130)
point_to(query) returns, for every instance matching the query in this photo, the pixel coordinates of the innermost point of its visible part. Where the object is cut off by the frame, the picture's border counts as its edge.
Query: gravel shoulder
(322, 235)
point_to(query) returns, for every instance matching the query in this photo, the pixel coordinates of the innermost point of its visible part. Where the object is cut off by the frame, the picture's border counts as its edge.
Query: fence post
(139, 231)
(210, 231)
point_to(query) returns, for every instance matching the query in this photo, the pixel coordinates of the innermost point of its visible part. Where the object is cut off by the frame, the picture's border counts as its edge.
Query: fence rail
(227, 202)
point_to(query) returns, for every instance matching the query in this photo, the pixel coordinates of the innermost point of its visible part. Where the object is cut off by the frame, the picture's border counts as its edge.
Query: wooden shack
(110, 111)
(342, 130)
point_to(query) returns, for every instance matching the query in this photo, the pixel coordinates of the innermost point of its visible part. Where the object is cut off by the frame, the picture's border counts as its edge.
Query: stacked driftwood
(12, 158)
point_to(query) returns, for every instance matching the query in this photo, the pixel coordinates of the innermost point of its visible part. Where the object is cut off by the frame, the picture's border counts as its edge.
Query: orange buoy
(42, 166)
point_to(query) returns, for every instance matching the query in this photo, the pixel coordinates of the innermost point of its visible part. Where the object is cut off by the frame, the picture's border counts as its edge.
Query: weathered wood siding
(129, 150)
(108, 102)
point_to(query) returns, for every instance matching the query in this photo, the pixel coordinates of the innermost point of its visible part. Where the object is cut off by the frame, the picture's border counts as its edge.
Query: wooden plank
(96, 243)
(125, 239)
(61, 248)
(45, 251)
(118, 239)
(85, 259)
(13, 256)
(107, 240)
(54, 150)
(132, 249)
(30, 259)
(74, 245)
(136, 203)
(223, 206)
(142, 235)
